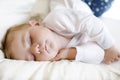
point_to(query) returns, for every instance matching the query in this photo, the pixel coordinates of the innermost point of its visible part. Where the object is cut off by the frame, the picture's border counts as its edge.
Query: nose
(37, 48)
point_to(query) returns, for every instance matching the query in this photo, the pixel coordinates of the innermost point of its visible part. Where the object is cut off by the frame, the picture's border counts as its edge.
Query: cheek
(52, 47)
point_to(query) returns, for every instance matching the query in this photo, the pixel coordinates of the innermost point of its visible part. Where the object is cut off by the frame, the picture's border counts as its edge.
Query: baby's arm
(87, 52)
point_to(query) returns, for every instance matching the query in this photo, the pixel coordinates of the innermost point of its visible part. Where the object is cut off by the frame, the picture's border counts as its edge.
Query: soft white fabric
(71, 23)
(70, 4)
(73, 17)
(60, 70)
(41, 8)
(1, 55)
(90, 52)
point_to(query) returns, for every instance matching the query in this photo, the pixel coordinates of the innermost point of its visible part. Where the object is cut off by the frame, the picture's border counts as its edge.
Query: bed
(16, 12)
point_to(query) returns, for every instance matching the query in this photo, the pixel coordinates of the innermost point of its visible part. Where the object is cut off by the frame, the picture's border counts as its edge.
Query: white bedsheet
(59, 70)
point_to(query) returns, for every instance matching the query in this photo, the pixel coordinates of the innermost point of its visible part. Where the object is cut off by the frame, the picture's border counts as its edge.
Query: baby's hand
(111, 55)
(63, 53)
(67, 53)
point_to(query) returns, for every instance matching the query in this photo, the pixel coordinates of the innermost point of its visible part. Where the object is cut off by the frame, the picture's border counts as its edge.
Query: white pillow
(13, 12)
(41, 7)
(1, 55)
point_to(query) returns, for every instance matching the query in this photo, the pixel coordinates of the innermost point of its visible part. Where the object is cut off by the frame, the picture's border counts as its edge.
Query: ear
(34, 23)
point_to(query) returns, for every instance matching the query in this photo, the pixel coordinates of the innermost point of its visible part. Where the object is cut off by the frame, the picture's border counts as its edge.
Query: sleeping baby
(63, 34)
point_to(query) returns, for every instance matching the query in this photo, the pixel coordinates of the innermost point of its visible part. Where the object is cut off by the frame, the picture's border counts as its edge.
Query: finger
(109, 62)
(117, 58)
(56, 58)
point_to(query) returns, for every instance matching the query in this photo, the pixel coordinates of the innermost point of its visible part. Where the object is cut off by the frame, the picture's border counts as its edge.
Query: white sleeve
(68, 22)
(77, 5)
(89, 53)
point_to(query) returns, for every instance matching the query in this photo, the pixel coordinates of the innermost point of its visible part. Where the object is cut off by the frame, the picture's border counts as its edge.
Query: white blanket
(59, 70)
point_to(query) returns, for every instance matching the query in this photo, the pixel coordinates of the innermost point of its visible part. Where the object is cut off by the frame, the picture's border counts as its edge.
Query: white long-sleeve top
(83, 27)
(72, 23)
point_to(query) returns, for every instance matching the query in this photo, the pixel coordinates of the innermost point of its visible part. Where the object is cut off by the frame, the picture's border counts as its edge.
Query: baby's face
(33, 43)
